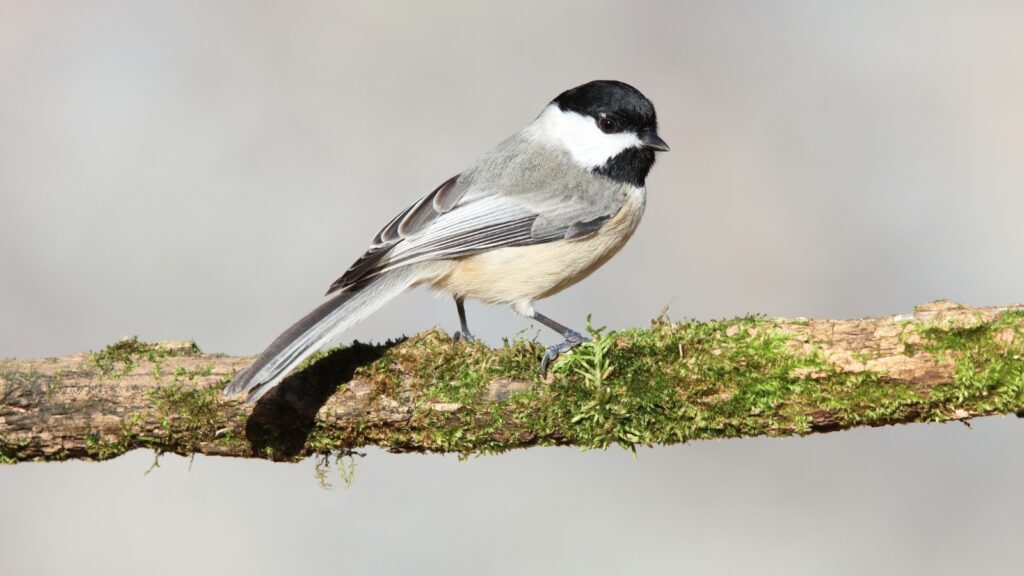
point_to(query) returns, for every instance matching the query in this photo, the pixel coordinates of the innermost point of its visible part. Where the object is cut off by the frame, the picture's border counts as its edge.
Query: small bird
(530, 218)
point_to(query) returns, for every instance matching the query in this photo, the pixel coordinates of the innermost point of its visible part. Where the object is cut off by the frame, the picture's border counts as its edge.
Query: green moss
(854, 399)
(119, 358)
(103, 448)
(12, 452)
(106, 446)
(185, 417)
(672, 383)
(345, 462)
(333, 440)
(189, 415)
(988, 366)
(678, 382)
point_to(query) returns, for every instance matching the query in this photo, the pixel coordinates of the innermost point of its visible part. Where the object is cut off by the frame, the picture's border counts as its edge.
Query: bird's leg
(463, 334)
(572, 340)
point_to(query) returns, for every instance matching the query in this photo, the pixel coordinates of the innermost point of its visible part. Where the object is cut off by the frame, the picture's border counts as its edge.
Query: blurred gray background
(204, 170)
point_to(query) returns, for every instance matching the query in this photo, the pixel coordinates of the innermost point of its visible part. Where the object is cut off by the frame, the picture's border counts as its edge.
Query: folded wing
(519, 201)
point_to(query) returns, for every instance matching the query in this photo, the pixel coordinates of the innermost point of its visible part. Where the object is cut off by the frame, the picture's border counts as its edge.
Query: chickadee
(533, 216)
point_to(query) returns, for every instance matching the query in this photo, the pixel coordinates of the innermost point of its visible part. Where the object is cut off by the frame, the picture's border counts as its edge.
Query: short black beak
(652, 141)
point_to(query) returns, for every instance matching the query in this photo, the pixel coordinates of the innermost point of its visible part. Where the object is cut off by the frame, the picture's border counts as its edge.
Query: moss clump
(119, 358)
(988, 365)
(681, 381)
(188, 416)
(861, 398)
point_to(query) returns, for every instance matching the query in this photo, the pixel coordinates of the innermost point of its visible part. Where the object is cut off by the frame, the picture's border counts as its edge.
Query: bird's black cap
(618, 100)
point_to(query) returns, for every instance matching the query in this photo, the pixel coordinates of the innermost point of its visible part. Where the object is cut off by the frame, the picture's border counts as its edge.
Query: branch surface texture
(673, 382)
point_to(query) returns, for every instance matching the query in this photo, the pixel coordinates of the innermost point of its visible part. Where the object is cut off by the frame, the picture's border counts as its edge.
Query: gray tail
(315, 331)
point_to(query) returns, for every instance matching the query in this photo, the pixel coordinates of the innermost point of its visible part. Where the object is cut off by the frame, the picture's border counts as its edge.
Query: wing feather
(509, 198)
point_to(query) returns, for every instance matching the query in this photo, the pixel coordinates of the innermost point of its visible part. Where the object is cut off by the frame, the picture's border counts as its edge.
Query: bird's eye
(607, 125)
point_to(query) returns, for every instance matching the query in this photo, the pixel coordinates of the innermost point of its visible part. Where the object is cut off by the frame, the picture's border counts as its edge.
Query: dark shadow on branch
(283, 419)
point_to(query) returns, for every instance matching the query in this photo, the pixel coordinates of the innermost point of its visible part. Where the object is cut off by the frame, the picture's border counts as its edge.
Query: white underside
(522, 274)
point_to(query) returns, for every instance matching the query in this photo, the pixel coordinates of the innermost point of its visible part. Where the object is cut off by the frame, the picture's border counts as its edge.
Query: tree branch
(673, 382)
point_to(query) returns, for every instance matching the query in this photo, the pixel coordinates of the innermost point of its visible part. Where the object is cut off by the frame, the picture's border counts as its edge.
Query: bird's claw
(572, 340)
(464, 335)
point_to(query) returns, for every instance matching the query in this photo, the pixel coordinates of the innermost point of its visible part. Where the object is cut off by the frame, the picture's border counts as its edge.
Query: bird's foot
(572, 340)
(464, 335)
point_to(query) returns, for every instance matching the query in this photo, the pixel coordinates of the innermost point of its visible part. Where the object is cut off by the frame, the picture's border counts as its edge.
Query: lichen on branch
(673, 382)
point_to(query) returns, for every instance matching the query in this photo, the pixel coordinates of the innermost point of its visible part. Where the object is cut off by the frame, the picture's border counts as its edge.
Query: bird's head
(606, 126)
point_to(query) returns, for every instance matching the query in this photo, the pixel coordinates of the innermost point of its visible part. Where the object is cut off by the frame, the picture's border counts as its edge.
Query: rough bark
(673, 382)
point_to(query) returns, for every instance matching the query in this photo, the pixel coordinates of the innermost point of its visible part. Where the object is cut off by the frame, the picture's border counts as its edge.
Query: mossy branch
(673, 382)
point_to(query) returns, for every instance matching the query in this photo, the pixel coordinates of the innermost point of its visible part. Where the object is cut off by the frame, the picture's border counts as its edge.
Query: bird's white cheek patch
(579, 136)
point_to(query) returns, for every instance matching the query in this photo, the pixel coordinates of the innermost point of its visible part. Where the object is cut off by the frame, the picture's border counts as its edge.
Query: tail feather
(315, 331)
